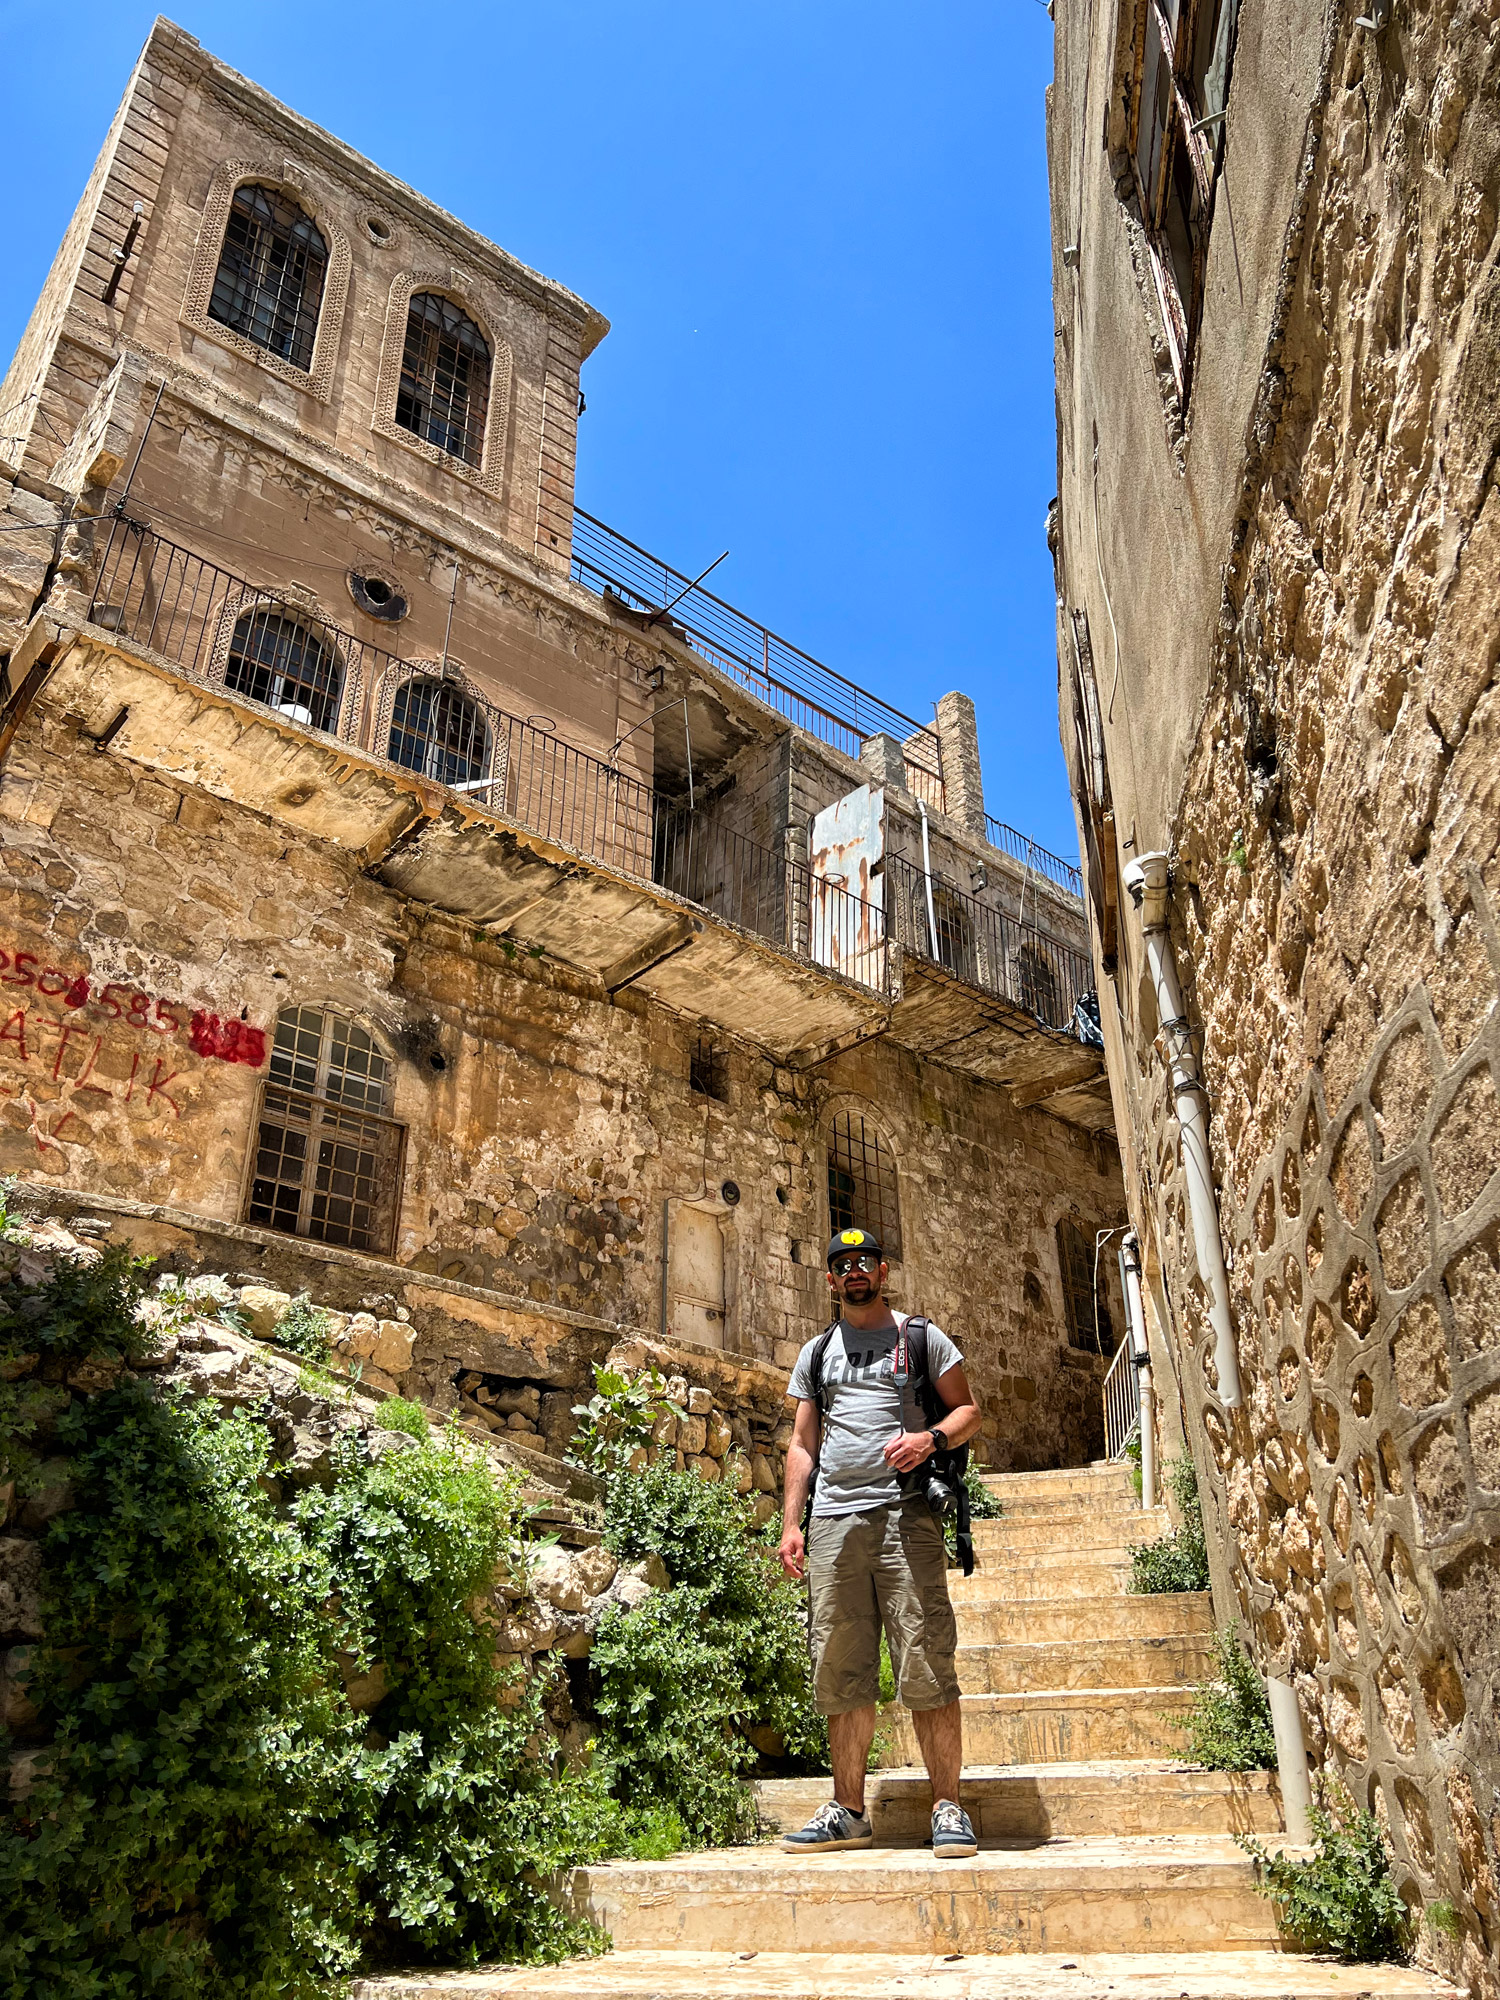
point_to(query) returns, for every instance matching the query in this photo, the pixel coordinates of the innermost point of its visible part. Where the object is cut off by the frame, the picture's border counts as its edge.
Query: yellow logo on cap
(852, 1236)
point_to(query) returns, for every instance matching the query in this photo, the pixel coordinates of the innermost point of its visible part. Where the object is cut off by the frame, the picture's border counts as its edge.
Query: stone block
(263, 1310)
(708, 1469)
(20, 1588)
(393, 1345)
(699, 1402)
(718, 1437)
(692, 1436)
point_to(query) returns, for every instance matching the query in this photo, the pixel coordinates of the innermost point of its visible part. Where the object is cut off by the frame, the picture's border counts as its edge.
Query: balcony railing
(985, 947)
(264, 645)
(792, 682)
(1062, 874)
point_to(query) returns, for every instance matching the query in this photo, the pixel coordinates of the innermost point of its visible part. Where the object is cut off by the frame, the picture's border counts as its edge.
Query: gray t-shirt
(862, 1412)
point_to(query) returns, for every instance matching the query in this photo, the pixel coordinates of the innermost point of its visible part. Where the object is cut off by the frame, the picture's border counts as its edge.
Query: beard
(859, 1290)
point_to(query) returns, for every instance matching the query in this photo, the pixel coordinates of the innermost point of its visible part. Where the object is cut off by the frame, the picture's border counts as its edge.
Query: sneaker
(952, 1835)
(831, 1827)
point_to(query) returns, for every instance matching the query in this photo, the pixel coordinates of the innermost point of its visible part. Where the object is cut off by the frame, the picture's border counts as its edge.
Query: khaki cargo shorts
(885, 1567)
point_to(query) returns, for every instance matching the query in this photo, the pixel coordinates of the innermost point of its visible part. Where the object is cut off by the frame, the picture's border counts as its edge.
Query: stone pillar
(962, 783)
(885, 760)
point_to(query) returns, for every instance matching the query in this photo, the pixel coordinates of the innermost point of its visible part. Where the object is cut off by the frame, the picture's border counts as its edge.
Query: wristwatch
(939, 1442)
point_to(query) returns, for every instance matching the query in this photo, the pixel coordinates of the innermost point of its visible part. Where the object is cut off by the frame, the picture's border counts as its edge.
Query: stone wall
(153, 932)
(1305, 594)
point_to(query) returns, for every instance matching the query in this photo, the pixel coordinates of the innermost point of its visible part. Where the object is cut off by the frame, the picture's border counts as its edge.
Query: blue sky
(819, 229)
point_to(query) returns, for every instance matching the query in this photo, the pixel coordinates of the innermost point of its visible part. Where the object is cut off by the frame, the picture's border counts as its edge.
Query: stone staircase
(1105, 1862)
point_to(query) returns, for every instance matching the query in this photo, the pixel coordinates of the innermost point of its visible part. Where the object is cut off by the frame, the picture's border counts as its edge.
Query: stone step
(1178, 1659)
(1166, 1893)
(1056, 1726)
(1060, 1483)
(774, 1975)
(1041, 1801)
(1037, 1620)
(1085, 1530)
(1000, 1580)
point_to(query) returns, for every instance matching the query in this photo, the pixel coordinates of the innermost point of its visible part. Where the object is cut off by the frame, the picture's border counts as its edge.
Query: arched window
(274, 658)
(862, 1182)
(327, 1157)
(440, 732)
(444, 392)
(1087, 1314)
(269, 283)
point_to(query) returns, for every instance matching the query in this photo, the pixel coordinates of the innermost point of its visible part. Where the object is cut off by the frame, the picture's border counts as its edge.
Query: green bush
(1229, 1723)
(305, 1330)
(1342, 1898)
(211, 1811)
(680, 1681)
(618, 1419)
(1177, 1560)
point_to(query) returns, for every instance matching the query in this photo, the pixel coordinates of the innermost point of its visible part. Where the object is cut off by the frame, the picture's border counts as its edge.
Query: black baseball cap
(852, 1239)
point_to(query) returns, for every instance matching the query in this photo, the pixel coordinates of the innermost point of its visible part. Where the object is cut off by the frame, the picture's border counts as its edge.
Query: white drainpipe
(1146, 879)
(1130, 1277)
(927, 878)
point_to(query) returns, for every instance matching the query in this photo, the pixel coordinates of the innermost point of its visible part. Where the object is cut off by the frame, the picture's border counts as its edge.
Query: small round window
(379, 232)
(377, 596)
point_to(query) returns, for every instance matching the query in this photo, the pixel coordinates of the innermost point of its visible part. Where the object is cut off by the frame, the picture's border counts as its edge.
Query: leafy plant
(618, 1419)
(399, 1413)
(211, 1811)
(1229, 1723)
(683, 1678)
(1444, 1919)
(305, 1331)
(1342, 1897)
(1177, 1560)
(1133, 1457)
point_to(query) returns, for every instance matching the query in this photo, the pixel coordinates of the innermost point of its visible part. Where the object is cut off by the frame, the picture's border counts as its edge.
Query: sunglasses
(863, 1260)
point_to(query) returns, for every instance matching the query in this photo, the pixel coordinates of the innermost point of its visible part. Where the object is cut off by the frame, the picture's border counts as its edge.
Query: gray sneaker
(831, 1827)
(952, 1836)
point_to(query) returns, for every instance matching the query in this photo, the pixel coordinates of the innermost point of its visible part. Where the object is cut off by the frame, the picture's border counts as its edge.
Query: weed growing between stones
(1229, 1723)
(1177, 1560)
(1342, 1898)
(399, 1413)
(618, 1419)
(304, 1330)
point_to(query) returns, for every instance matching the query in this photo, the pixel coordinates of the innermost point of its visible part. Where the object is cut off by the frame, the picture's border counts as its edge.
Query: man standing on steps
(874, 1551)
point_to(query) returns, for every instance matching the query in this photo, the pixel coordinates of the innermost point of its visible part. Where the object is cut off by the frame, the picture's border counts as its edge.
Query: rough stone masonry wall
(1338, 868)
(546, 1123)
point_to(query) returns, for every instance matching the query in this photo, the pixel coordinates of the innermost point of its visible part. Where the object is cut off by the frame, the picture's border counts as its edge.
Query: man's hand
(909, 1449)
(792, 1552)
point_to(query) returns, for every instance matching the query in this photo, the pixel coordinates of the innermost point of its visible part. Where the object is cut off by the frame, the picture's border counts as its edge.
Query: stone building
(413, 894)
(1277, 547)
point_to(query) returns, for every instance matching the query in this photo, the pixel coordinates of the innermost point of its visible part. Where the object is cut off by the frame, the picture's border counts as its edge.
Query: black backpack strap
(954, 1461)
(815, 1368)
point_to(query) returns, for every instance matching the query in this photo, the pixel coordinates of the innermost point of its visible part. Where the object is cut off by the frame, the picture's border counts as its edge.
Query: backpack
(949, 1466)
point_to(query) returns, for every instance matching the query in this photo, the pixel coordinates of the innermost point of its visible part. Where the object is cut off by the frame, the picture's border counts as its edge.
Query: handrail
(1032, 855)
(816, 697)
(1122, 1402)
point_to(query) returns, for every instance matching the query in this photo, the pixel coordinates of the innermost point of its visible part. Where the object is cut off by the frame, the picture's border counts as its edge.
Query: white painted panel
(695, 1276)
(847, 931)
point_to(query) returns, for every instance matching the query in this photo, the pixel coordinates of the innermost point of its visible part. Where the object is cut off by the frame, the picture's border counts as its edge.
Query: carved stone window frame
(301, 606)
(459, 288)
(287, 178)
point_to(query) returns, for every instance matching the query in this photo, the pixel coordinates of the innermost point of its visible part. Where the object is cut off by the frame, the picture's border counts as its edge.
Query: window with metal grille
(1036, 985)
(1075, 1255)
(440, 732)
(269, 283)
(274, 658)
(327, 1158)
(444, 392)
(708, 1070)
(1186, 49)
(862, 1182)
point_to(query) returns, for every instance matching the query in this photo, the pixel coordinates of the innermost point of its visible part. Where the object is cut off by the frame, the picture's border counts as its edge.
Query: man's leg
(940, 1732)
(849, 1740)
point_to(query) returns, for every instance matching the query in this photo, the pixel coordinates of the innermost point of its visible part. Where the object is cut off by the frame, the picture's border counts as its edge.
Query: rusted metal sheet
(848, 887)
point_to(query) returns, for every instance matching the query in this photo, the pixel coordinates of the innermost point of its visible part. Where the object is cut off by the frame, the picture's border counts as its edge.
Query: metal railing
(1122, 1402)
(984, 947)
(813, 696)
(265, 646)
(1062, 874)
